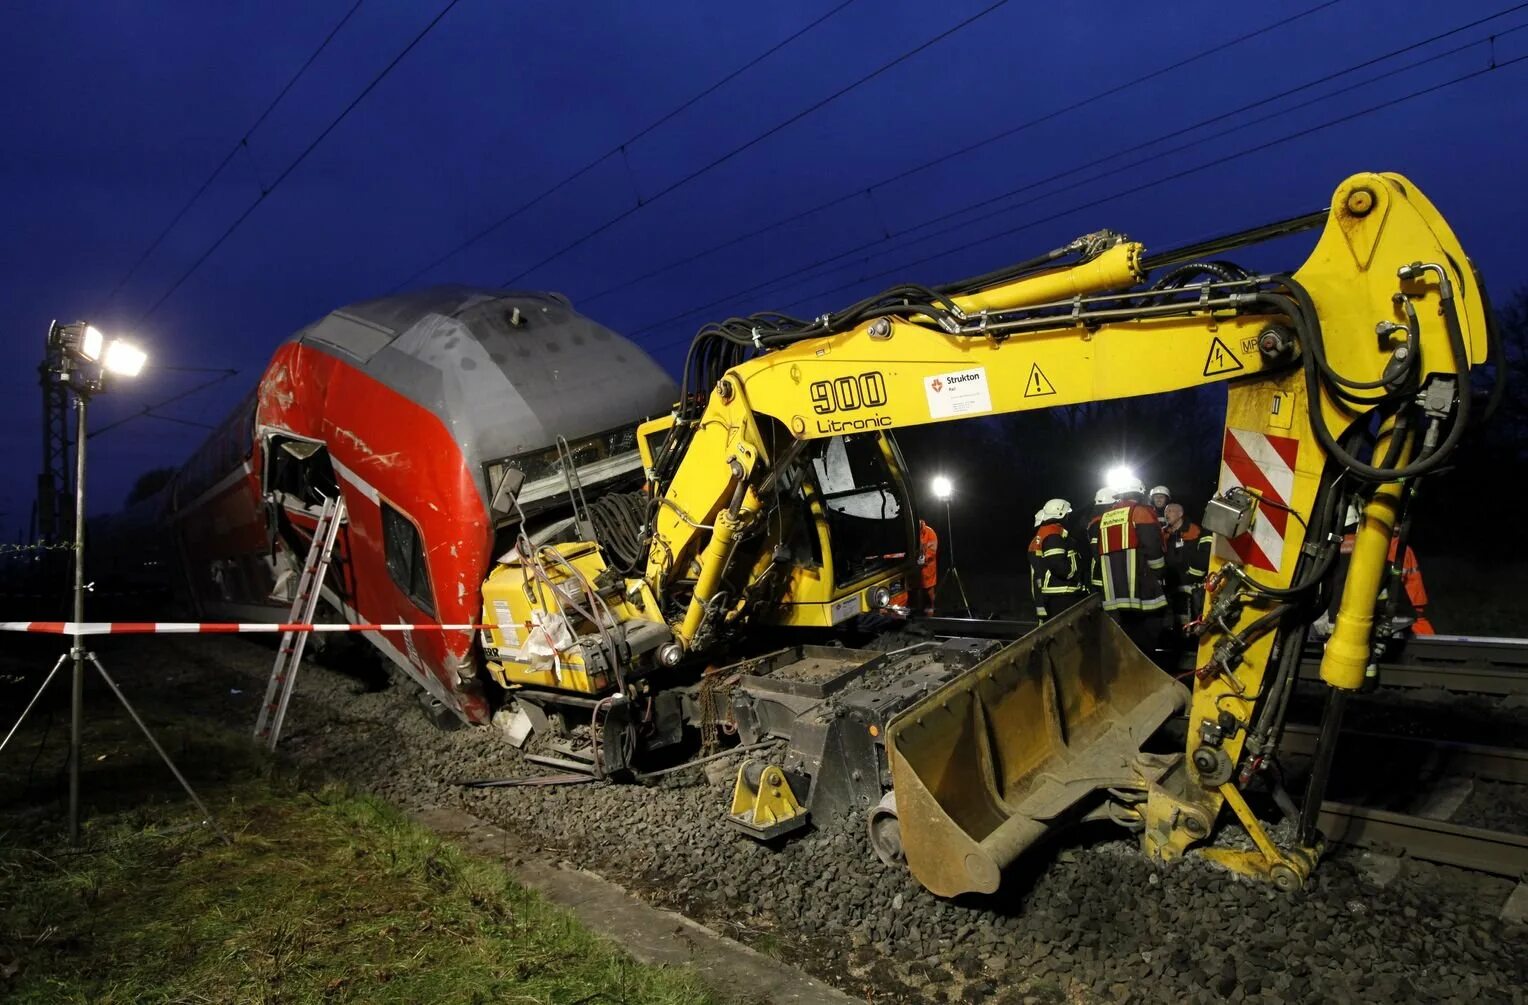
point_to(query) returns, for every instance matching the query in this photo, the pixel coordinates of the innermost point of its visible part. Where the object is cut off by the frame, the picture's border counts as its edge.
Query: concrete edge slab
(650, 934)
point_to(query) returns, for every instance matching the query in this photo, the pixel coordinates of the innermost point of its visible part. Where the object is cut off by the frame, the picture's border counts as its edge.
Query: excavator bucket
(988, 764)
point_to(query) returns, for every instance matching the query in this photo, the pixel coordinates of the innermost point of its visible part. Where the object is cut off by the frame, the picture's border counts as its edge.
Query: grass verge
(323, 896)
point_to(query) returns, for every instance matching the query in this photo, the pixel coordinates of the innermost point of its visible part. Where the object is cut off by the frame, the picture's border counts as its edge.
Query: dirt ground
(1087, 921)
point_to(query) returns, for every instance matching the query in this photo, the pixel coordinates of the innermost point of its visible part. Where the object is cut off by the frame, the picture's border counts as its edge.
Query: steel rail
(1478, 665)
(1470, 760)
(1495, 852)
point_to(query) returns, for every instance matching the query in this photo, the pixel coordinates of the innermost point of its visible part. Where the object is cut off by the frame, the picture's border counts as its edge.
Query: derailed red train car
(410, 408)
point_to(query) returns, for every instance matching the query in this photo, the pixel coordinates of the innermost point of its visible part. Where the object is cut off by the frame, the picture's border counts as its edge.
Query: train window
(405, 558)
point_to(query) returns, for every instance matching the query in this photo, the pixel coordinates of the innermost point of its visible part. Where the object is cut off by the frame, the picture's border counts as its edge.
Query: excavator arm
(1373, 337)
(1347, 379)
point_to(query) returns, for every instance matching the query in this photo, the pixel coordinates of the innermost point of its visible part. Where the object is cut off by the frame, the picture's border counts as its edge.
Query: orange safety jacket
(928, 547)
(1411, 582)
(1132, 555)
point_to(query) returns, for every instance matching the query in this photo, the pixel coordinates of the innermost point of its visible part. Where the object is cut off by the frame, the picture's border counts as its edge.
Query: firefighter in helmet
(1055, 567)
(1132, 559)
(1102, 500)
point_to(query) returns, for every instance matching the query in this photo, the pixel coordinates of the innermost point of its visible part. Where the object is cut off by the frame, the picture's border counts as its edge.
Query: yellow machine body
(984, 761)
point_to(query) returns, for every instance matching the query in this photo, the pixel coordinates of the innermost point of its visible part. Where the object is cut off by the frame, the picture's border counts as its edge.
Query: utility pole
(55, 485)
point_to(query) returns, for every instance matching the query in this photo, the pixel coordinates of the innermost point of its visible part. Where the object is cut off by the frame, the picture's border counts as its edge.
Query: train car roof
(506, 372)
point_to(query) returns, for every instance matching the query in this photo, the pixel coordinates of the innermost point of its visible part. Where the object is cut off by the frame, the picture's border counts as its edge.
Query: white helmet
(1054, 509)
(1129, 487)
(1161, 490)
(1103, 497)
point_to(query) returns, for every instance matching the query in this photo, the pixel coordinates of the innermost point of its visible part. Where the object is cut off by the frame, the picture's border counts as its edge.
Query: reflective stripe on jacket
(1133, 558)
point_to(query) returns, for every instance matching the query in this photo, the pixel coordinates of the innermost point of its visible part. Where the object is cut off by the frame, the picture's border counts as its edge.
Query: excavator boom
(1346, 380)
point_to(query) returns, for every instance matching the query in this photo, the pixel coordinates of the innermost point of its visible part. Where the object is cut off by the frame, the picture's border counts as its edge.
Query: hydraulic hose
(1309, 325)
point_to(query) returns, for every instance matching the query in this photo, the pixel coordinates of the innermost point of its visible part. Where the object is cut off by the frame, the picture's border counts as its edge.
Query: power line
(620, 148)
(960, 152)
(298, 161)
(1257, 148)
(1114, 156)
(232, 151)
(179, 421)
(717, 162)
(152, 410)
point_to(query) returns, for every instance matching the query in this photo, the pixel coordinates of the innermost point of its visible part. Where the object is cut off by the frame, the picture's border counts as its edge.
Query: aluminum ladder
(278, 693)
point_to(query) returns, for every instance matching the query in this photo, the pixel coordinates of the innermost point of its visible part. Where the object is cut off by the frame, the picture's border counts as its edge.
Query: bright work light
(123, 358)
(81, 356)
(91, 341)
(943, 488)
(1120, 477)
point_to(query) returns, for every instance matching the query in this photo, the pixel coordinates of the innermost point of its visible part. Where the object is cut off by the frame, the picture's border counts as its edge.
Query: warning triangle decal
(1221, 359)
(1038, 385)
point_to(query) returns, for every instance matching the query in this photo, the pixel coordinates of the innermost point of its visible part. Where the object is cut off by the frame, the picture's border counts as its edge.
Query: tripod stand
(954, 574)
(78, 654)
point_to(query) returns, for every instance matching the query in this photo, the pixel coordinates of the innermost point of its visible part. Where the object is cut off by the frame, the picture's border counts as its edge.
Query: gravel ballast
(1086, 920)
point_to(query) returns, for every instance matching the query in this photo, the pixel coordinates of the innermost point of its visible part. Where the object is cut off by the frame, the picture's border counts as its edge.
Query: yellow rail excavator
(776, 509)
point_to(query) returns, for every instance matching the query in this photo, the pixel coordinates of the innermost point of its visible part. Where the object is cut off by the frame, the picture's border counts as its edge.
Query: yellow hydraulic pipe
(1119, 266)
(713, 561)
(1348, 652)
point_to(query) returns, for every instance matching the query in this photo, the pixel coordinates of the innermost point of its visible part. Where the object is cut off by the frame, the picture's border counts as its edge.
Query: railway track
(1462, 663)
(1501, 853)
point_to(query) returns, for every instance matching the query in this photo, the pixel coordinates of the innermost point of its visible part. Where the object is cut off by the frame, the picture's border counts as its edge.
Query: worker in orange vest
(928, 565)
(1410, 574)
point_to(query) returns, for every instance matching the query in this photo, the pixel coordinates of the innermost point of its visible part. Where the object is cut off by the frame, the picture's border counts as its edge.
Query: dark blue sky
(114, 112)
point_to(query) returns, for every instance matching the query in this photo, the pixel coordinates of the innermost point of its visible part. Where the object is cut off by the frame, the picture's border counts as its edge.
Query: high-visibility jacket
(1132, 556)
(928, 548)
(1411, 582)
(1188, 557)
(1054, 565)
(1095, 568)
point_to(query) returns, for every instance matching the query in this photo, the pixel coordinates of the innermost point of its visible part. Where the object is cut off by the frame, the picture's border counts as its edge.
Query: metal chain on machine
(714, 696)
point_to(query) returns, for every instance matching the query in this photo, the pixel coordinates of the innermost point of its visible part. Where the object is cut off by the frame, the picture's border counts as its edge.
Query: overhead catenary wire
(324, 134)
(958, 152)
(150, 411)
(757, 139)
(241, 143)
(845, 257)
(621, 148)
(1131, 190)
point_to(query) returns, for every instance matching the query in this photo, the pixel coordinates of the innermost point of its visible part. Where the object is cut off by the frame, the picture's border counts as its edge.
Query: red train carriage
(410, 408)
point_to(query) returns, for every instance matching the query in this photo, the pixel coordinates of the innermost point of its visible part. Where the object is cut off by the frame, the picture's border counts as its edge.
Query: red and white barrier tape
(208, 627)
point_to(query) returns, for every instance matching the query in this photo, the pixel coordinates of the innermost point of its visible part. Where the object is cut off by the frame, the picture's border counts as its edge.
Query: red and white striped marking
(1265, 466)
(209, 627)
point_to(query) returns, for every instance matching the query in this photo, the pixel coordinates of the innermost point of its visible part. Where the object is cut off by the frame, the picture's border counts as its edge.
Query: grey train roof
(506, 372)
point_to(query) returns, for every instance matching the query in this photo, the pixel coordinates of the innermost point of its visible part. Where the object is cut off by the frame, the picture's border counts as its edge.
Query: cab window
(867, 527)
